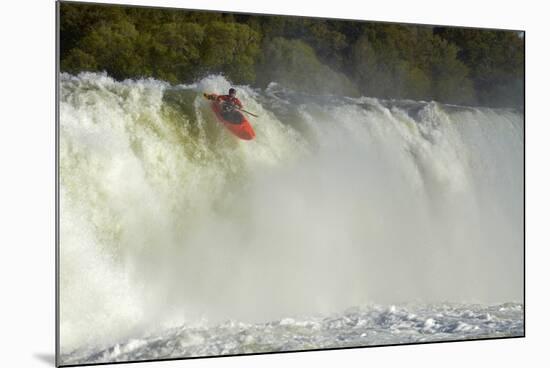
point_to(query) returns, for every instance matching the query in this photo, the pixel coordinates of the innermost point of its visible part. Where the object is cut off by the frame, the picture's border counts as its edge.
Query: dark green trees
(294, 64)
(495, 61)
(409, 62)
(154, 43)
(455, 65)
(231, 48)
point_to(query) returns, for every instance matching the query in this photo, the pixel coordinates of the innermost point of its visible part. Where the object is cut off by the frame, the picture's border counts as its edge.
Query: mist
(167, 219)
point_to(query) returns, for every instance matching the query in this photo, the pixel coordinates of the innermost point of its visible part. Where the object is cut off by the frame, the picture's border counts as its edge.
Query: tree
(113, 47)
(295, 65)
(231, 48)
(455, 65)
(174, 51)
(449, 75)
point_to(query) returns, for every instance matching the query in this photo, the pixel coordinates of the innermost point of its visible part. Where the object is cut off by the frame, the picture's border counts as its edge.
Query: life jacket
(231, 100)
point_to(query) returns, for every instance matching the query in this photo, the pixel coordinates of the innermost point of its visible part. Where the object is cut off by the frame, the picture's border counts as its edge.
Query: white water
(354, 327)
(166, 218)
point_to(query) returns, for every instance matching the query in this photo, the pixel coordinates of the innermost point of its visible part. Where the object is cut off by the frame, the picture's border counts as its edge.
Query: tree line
(321, 56)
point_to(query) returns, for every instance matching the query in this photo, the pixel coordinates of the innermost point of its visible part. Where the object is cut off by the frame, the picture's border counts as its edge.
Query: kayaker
(230, 101)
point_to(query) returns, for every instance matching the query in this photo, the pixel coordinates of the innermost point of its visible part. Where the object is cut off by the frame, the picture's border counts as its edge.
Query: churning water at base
(170, 225)
(365, 326)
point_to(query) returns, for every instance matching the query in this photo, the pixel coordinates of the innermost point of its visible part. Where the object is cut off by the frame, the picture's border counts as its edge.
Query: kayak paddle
(248, 112)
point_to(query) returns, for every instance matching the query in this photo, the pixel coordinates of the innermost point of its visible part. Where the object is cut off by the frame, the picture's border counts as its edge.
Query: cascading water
(168, 220)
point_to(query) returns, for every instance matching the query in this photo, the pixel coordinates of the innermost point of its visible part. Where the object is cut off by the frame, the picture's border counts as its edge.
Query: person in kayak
(230, 101)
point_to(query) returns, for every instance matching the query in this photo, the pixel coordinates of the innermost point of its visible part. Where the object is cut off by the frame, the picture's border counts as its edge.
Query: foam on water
(168, 219)
(366, 326)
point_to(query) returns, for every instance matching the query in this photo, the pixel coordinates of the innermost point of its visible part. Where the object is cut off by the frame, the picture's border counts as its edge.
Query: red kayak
(233, 120)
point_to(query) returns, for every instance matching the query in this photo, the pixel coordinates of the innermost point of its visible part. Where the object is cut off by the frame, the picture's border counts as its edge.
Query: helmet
(232, 91)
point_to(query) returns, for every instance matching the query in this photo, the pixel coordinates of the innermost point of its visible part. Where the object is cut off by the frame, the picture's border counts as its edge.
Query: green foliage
(327, 42)
(174, 51)
(231, 48)
(78, 60)
(495, 60)
(454, 65)
(398, 62)
(449, 75)
(294, 64)
(77, 20)
(113, 46)
(380, 71)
